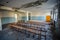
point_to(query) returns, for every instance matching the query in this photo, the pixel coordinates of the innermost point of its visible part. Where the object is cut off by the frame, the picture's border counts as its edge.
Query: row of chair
(28, 29)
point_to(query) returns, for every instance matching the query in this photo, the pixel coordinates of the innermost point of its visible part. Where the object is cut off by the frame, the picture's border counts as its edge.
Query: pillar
(58, 20)
(27, 16)
(0, 25)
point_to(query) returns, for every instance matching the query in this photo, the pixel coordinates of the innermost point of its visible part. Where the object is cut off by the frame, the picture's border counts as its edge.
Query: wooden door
(48, 18)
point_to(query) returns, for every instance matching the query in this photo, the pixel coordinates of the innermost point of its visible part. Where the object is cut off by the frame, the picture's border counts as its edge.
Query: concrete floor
(10, 34)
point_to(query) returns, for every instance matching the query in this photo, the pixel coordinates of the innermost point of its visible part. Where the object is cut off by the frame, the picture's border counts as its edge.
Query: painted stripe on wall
(6, 20)
(24, 18)
(39, 18)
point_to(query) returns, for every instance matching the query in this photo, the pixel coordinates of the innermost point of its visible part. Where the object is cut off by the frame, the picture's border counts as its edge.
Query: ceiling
(45, 7)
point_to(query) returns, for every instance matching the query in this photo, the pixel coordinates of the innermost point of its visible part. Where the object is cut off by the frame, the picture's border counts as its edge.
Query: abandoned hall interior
(29, 19)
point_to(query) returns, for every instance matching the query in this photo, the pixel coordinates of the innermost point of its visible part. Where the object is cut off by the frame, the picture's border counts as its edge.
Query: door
(48, 18)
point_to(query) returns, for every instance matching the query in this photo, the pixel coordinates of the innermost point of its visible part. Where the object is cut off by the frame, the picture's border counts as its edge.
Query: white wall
(40, 14)
(21, 15)
(0, 14)
(8, 17)
(7, 14)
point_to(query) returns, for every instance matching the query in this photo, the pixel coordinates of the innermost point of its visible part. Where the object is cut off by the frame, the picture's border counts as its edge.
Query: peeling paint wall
(39, 16)
(7, 17)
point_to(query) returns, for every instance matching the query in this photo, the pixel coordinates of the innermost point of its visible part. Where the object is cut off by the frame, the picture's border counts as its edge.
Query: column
(58, 20)
(16, 17)
(27, 16)
(0, 25)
